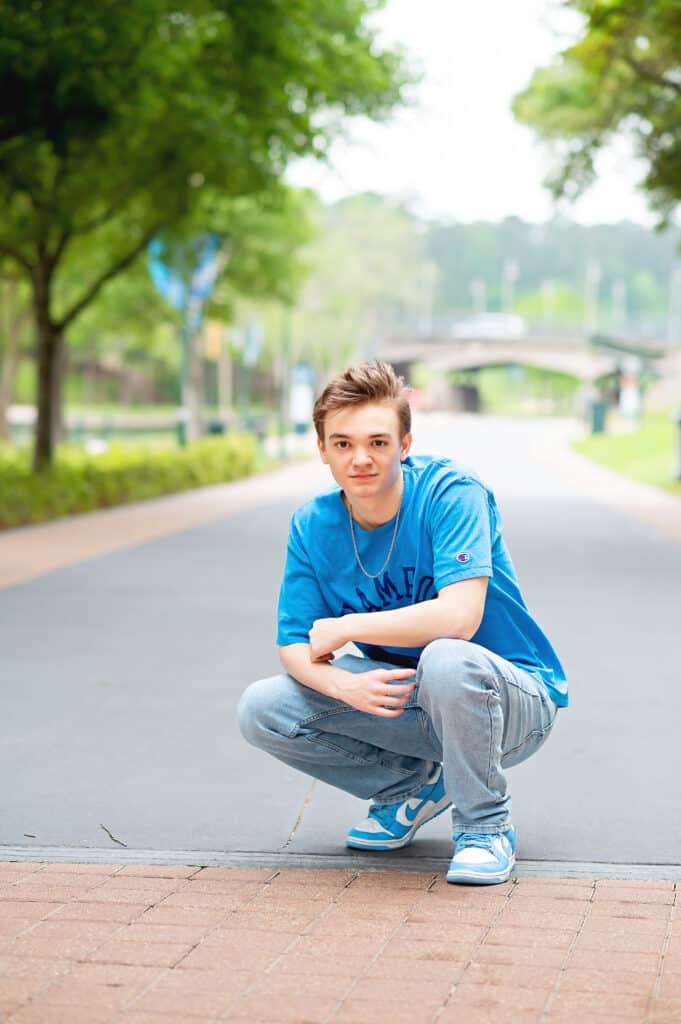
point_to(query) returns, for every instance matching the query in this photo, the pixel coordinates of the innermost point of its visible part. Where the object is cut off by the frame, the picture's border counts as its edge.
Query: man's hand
(326, 636)
(380, 691)
(376, 692)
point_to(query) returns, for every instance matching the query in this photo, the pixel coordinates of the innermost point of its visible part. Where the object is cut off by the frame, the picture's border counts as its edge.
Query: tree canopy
(622, 75)
(115, 118)
(554, 254)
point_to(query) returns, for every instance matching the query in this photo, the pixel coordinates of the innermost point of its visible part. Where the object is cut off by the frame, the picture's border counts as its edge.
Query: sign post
(184, 274)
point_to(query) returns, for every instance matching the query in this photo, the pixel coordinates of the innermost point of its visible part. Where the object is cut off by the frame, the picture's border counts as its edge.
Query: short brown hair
(369, 382)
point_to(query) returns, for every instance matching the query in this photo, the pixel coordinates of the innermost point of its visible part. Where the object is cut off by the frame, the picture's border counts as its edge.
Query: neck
(377, 511)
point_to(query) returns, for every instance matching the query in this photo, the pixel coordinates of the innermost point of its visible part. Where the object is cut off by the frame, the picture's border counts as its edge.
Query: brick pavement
(93, 943)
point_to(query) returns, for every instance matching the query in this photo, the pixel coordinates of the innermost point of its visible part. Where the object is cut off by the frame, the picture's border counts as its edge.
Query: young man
(405, 557)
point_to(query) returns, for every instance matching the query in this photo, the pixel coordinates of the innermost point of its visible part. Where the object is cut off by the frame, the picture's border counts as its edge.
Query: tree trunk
(58, 379)
(50, 373)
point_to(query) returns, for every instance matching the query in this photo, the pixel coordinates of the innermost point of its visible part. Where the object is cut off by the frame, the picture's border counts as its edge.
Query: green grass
(648, 454)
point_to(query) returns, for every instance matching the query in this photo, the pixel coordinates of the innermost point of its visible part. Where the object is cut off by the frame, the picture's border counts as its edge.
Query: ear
(322, 451)
(405, 445)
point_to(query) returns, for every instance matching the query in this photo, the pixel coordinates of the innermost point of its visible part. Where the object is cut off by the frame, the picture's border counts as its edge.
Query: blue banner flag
(185, 273)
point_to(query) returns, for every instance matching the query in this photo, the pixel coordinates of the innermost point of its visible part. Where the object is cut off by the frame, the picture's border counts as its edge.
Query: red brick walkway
(88, 944)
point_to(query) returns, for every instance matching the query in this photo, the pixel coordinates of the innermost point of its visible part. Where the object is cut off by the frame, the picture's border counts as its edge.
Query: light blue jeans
(472, 711)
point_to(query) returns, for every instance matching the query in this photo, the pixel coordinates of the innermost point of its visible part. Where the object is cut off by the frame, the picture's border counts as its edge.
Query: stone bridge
(572, 355)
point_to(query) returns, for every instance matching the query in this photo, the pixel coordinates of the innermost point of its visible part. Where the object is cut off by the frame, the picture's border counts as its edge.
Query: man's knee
(444, 658)
(453, 667)
(254, 711)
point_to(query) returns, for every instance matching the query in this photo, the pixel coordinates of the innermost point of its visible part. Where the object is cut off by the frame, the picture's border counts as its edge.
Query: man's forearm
(413, 626)
(318, 676)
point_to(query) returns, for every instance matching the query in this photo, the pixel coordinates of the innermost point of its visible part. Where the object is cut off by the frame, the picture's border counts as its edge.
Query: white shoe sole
(357, 843)
(482, 878)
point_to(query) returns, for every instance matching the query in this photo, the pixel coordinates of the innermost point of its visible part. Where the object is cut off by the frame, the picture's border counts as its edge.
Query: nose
(361, 457)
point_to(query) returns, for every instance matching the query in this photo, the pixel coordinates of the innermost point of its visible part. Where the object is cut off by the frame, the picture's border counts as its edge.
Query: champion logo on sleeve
(463, 556)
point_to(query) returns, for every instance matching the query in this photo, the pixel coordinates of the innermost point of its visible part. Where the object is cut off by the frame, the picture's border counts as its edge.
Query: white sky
(458, 153)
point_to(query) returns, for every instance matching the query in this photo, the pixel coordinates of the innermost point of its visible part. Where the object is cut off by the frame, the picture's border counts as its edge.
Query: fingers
(401, 689)
(397, 673)
(396, 699)
(387, 712)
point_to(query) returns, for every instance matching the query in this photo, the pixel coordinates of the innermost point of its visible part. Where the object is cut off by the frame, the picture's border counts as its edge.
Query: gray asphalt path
(120, 675)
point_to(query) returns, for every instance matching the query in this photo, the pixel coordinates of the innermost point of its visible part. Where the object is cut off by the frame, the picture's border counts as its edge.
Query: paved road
(120, 676)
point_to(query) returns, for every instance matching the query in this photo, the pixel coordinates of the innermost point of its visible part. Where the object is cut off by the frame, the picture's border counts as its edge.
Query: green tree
(263, 239)
(370, 277)
(128, 325)
(559, 304)
(114, 117)
(622, 75)
(552, 258)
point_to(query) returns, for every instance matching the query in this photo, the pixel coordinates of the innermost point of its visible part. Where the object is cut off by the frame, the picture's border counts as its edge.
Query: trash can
(597, 410)
(215, 427)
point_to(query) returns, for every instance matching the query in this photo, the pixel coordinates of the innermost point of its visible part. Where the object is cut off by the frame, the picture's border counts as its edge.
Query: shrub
(78, 482)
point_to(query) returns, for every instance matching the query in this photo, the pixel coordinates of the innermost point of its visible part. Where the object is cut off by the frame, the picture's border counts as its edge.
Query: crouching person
(405, 557)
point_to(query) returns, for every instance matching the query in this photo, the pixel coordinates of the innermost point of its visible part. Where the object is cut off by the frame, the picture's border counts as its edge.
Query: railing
(640, 329)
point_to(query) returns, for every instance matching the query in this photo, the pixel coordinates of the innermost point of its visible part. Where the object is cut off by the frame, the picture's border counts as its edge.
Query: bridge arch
(575, 359)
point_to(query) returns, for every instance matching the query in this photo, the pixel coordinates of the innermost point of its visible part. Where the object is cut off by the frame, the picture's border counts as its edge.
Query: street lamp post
(592, 281)
(548, 299)
(619, 305)
(677, 468)
(479, 294)
(182, 411)
(674, 315)
(284, 363)
(508, 280)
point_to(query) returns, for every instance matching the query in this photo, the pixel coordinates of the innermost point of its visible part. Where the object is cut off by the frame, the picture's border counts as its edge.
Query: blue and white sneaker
(392, 826)
(482, 858)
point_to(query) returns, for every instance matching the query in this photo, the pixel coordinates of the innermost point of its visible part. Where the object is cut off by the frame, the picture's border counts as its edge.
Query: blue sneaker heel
(392, 826)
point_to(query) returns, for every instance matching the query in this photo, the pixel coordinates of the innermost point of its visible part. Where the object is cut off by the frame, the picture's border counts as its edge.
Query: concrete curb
(343, 861)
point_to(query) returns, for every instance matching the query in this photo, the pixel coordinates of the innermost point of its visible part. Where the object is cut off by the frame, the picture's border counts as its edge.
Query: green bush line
(78, 482)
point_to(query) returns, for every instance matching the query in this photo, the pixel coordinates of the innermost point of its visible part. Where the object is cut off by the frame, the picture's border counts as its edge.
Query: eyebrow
(347, 437)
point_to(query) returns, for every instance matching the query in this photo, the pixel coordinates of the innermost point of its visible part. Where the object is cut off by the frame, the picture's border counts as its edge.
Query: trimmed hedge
(78, 482)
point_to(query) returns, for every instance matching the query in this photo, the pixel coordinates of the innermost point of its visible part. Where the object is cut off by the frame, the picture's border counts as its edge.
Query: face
(363, 449)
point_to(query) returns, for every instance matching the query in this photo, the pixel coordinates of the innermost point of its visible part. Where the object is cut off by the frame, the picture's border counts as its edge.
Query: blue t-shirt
(449, 530)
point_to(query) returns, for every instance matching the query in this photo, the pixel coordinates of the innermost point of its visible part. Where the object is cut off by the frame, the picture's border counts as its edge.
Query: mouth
(363, 476)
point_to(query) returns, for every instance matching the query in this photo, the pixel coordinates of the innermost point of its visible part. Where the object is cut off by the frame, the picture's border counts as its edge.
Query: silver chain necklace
(373, 575)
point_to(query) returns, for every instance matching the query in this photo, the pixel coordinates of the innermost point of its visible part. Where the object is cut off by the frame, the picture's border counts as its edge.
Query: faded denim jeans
(472, 711)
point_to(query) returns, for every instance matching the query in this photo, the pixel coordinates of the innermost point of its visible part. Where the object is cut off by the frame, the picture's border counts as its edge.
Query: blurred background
(209, 208)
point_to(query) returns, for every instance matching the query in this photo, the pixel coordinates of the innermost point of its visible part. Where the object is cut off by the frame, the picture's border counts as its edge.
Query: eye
(341, 444)
(380, 443)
